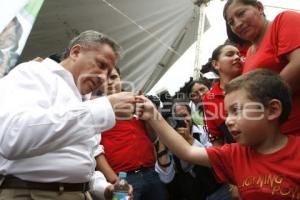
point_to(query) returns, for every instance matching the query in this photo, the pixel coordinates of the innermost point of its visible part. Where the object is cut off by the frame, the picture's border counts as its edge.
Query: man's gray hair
(91, 39)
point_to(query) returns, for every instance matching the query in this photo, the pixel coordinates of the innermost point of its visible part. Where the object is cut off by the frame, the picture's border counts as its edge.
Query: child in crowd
(263, 162)
(226, 62)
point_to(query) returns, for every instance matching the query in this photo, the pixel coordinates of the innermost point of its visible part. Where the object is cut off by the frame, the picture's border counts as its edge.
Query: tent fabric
(153, 34)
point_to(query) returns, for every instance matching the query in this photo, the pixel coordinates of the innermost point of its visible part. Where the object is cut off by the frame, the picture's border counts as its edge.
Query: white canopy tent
(153, 34)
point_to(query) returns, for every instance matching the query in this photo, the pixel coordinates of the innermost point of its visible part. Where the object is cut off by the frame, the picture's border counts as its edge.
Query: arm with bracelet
(164, 165)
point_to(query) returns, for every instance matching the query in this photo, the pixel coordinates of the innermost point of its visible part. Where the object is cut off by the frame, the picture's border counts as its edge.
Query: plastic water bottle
(121, 188)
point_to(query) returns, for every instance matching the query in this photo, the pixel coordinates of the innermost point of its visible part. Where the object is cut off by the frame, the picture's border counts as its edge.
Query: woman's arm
(291, 72)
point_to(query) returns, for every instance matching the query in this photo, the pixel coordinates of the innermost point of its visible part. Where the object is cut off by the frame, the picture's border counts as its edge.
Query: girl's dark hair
(232, 36)
(215, 56)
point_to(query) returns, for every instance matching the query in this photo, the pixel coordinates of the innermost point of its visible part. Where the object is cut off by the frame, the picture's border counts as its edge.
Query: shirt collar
(56, 68)
(217, 90)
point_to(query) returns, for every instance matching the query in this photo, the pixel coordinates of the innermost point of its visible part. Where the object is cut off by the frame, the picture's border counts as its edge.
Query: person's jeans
(221, 194)
(146, 185)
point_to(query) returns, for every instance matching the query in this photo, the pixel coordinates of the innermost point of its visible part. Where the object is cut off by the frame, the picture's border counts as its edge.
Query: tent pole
(197, 64)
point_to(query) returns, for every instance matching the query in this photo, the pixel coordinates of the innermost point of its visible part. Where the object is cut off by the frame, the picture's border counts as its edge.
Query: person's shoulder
(214, 94)
(287, 15)
(26, 67)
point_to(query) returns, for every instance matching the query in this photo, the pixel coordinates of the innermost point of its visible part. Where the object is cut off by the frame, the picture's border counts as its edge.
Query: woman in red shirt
(226, 62)
(128, 148)
(275, 46)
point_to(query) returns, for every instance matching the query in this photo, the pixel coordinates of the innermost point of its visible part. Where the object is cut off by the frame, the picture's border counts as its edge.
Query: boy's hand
(123, 104)
(145, 109)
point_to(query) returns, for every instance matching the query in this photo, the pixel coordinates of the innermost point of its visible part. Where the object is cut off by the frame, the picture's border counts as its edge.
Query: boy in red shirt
(263, 163)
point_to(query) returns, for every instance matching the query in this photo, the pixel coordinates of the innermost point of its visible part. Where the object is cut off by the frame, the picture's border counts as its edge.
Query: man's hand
(108, 193)
(123, 104)
(186, 134)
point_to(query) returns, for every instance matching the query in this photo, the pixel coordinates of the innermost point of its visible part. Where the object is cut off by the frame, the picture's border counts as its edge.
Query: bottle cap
(122, 174)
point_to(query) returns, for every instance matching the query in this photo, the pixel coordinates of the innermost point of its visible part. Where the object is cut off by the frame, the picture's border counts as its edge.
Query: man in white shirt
(48, 136)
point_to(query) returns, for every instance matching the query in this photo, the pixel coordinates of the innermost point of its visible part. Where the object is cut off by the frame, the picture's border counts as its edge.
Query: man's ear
(74, 51)
(274, 109)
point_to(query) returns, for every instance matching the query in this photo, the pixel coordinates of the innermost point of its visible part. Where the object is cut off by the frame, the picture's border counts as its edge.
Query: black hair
(201, 81)
(154, 99)
(182, 102)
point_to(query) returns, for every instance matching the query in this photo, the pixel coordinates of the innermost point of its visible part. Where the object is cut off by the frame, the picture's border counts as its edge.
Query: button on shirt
(47, 134)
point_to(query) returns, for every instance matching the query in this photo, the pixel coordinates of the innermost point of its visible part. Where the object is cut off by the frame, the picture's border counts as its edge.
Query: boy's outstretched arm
(169, 136)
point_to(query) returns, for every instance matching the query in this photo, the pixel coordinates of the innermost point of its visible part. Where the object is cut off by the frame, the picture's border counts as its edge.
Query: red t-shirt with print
(273, 176)
(281, 37)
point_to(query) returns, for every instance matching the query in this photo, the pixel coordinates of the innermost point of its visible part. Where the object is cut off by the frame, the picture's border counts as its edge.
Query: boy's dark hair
(263, 85)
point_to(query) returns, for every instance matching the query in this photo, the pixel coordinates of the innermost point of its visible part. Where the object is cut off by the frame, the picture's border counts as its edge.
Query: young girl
(226, 62)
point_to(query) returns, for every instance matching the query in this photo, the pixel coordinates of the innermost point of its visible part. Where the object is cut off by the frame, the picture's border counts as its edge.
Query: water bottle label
(120, 196)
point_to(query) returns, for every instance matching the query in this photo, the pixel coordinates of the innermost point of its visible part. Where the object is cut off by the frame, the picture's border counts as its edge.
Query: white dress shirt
(47, 134)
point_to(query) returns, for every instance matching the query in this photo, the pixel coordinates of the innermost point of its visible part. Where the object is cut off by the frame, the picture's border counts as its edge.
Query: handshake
(126, 105)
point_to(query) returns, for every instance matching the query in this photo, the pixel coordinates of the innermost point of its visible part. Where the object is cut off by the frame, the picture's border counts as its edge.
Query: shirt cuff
(102, 113)
(99, 150)
(167, 175)
(98, 184)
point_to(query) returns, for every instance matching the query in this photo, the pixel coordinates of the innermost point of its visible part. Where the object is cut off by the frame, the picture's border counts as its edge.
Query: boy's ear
(274, 109)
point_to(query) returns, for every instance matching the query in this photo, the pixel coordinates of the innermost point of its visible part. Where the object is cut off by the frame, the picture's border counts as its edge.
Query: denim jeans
(147, 185)
(221, 194)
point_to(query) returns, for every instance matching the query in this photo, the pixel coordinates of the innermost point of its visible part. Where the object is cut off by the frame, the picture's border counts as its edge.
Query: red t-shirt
(282, 37)
(274, 176)
(127, 146)
(214, 112)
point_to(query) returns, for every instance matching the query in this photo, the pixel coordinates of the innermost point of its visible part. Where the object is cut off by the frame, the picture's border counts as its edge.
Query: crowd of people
(68, 128)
